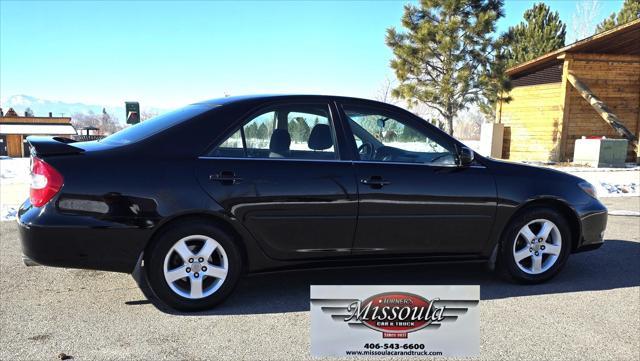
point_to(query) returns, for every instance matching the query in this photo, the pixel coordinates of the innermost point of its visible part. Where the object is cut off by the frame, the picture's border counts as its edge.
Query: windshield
(154, 125)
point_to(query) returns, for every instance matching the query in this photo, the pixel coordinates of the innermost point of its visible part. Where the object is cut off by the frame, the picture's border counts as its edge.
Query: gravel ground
(590, 311)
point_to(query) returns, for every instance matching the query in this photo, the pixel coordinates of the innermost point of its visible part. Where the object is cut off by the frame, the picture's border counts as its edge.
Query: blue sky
(166, 54)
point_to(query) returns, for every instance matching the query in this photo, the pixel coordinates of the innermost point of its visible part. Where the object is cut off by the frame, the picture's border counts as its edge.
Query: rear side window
(154, 125)
(290, 131)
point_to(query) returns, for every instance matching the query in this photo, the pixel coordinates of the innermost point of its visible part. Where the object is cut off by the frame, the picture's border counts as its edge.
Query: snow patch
(609, 182)
(8, 213)
(14, 170)
(624, 213)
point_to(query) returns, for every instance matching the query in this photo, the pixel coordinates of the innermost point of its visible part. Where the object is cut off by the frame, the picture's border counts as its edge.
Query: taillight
(45, 182)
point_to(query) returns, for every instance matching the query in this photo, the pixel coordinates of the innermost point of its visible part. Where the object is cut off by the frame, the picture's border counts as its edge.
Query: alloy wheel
(537, 246)
(195, 267)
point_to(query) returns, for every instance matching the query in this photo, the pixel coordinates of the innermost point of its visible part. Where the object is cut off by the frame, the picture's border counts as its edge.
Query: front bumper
(29, 262)
(593, 222)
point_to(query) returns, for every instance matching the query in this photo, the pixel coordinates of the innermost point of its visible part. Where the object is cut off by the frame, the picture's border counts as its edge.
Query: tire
(539, 258)
(205, 283)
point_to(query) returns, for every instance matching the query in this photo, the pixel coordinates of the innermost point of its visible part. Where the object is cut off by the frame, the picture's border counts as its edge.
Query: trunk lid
(42, 146)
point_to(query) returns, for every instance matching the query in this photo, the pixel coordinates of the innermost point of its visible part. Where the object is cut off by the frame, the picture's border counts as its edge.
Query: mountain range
(42, 107)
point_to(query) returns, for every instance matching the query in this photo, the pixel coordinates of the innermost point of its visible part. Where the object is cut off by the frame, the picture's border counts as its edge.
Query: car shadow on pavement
(615, 265)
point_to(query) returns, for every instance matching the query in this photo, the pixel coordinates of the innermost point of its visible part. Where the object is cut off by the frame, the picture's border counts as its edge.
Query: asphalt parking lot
(590, 311)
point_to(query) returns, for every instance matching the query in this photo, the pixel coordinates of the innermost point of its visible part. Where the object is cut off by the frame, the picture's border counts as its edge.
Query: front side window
(289, 132)
(383, 138)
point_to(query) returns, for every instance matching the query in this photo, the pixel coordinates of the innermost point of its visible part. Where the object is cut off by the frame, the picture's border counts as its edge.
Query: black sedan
(193, 199)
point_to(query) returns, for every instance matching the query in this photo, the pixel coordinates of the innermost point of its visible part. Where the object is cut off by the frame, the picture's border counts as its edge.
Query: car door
(414, 198)
(281, 175)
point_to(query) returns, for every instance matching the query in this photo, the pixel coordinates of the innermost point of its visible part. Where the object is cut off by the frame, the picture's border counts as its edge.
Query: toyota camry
(193, 199)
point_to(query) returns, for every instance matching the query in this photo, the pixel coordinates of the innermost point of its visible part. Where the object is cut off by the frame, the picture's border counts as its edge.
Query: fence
(86, 138)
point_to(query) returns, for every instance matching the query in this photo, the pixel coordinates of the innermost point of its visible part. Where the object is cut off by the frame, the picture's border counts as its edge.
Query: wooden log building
(14, 130)
(547, 113)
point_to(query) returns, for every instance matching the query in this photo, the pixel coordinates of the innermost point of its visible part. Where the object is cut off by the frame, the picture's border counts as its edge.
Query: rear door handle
(225, 177)
(375, 182)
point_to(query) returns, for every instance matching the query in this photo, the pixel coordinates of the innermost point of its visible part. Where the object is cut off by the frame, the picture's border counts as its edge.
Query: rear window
(154, 125)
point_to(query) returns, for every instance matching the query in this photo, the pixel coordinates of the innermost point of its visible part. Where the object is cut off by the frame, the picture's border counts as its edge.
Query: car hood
(530, 170)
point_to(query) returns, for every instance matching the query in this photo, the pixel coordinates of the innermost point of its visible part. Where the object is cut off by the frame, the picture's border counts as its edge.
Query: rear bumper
(593, 222)
(51, 239)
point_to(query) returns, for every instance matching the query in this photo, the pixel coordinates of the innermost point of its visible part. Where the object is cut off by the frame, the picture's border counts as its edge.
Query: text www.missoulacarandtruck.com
(393, 352)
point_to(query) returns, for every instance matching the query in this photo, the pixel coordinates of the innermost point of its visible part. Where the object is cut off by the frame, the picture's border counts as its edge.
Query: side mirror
(465, 156)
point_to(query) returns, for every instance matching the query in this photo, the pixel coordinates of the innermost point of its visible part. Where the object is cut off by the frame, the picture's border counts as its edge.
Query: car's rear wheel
(193, 265)
(535, 245)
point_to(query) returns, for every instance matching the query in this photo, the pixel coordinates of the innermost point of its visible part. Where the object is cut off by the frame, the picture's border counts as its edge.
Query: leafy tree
(147, 114)
(443, 59)
(583, 19)
(541, 32)
(105, 122)
(383, 94)
(630, 11)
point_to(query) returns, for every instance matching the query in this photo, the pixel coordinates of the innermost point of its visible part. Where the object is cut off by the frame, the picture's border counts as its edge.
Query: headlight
(589, 189)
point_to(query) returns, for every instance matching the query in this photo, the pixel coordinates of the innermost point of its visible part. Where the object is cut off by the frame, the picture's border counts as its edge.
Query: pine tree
(630, 11)
(251, 131)
(497, 84)
(541, 32)
(442, 60)
(303, 129)
(293, 130)
(263, 132)
(108, 125)
(105, 116)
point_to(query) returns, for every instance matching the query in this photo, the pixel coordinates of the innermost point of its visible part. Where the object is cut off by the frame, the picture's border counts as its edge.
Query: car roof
(268, 97)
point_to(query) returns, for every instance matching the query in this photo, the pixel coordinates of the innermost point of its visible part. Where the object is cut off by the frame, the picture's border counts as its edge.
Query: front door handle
(225, 177)
(375, 182)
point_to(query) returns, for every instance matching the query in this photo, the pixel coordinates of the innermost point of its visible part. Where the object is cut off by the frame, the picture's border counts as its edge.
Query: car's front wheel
(535, 245)
(193, 265)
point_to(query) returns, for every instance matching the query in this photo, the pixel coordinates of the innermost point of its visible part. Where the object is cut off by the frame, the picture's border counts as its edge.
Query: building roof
(623, 40)
(14, 124)
(37, 129)
(35, 120)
